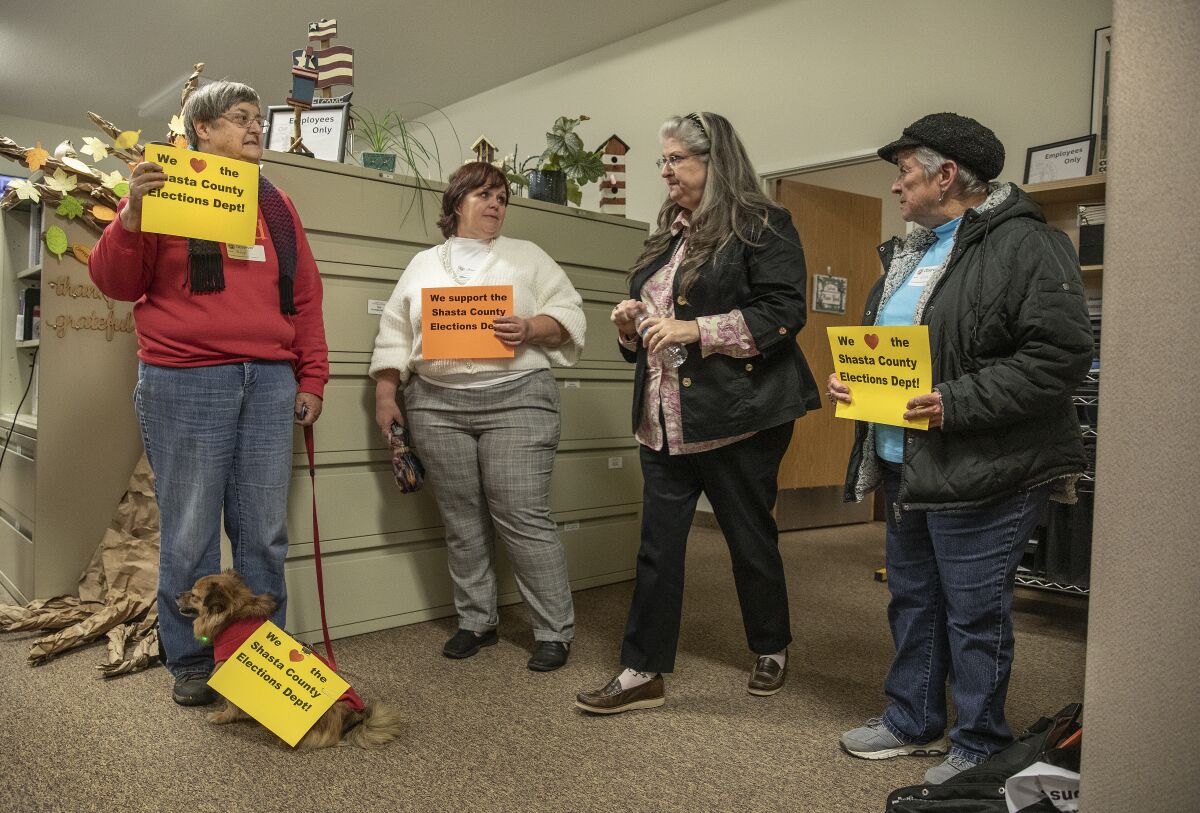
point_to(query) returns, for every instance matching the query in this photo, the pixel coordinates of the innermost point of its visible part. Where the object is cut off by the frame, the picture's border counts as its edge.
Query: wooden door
(840, 235)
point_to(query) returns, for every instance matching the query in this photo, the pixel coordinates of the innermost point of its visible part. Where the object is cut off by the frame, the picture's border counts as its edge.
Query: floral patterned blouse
(722, 333)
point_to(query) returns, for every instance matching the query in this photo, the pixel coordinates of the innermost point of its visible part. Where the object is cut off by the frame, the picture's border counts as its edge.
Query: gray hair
(207, 103)
(931, 161)
(732, 204)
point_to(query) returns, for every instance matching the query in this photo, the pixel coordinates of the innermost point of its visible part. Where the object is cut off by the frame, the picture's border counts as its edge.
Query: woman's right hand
(147, 176)
(385, 413)
(836, 390)
(625, 314)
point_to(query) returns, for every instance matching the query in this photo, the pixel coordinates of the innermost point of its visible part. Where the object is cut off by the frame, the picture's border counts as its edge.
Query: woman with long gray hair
(715, 302)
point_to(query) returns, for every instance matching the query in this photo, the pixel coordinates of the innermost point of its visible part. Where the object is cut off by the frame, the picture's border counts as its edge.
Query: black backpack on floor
(981, 789)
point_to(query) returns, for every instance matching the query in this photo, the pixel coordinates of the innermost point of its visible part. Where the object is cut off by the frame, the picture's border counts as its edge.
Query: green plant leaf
(56, 241)
(574, 193)
(70, 207)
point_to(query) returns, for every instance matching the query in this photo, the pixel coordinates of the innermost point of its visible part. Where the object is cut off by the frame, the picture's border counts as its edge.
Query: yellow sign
(205, 196)
(279, 682)
(884, 367)
(457, 323)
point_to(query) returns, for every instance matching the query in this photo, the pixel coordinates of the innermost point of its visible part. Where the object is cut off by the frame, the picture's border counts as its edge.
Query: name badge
(254, 254)
(921, 276)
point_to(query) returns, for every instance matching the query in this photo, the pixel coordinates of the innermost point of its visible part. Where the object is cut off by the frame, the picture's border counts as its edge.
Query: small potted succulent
(563, 169)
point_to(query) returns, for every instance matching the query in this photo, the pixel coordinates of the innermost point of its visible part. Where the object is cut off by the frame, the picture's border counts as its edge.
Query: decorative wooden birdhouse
(304, 79)
(484, 150)
(612, 188)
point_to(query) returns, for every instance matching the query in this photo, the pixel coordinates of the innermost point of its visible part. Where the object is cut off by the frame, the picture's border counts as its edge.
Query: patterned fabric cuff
(630, 345)
(726, 333)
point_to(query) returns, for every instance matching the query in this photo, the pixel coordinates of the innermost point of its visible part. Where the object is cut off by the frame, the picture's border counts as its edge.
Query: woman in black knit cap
(1010, 339)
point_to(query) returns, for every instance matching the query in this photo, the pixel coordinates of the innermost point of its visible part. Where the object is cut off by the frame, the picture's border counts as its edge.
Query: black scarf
(206, 267)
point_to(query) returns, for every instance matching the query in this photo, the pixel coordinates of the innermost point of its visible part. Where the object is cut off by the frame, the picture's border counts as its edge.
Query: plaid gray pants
(489, 454)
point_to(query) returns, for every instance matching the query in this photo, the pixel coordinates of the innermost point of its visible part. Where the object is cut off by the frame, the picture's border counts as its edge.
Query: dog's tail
(381, 724)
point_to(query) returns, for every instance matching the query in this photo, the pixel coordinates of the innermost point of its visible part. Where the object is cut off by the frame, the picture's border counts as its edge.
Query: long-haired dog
(221, 605)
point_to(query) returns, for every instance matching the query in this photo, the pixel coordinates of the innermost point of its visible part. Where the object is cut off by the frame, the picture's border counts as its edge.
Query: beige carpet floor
(486, 734)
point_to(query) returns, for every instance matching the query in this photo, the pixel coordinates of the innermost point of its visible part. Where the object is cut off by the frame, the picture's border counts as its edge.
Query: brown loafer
(767, 677)
(612, 700)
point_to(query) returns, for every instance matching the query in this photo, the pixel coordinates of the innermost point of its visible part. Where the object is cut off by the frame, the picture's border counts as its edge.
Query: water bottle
(672, 355)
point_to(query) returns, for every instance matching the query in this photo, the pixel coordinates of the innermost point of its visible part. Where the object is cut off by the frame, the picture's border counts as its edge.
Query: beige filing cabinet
(383, 553)
(75, 440)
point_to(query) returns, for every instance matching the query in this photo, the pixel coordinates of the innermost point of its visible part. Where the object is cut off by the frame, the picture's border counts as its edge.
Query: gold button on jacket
(687, 382)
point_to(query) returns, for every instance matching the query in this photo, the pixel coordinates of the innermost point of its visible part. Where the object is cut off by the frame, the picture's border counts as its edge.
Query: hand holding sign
(147, 176)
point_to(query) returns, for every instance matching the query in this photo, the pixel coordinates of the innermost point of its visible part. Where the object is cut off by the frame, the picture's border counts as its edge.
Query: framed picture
(1062, 159)
(829, 294)
(322, 128)
(1101, 59)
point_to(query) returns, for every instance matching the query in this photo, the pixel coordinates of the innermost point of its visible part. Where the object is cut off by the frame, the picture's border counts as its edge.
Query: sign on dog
(278, 681)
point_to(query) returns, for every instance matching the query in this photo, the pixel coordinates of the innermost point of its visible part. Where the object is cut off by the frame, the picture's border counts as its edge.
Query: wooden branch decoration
(130, 156)
(189, 87)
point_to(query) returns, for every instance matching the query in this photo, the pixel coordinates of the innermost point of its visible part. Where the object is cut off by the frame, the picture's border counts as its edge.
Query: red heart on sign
(296, 655)
(871, 339)
(198, 164)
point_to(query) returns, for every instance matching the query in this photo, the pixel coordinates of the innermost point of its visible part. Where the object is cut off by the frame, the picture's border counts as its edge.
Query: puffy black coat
(721, 396)
(1010, 339)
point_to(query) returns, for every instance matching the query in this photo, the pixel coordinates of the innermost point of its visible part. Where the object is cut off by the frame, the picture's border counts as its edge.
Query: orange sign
(457, 323)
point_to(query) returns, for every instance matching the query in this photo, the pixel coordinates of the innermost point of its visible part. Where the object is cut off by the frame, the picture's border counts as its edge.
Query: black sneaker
(192, 690)
(549, 655)
(465, 643)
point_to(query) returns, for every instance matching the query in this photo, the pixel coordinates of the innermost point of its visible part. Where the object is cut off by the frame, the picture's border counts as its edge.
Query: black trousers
(740, 481)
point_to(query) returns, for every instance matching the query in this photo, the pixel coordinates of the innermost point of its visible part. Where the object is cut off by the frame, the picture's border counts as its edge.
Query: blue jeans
(218, 438)
(951, 575)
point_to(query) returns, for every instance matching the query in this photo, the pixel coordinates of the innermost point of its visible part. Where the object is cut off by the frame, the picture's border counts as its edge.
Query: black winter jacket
(721, 396)
(1010, 339)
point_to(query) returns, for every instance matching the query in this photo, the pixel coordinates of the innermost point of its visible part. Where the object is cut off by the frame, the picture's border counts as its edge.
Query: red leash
(312, 474)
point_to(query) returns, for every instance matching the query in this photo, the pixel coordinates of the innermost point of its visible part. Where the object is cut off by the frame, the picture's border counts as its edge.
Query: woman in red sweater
(231, 343)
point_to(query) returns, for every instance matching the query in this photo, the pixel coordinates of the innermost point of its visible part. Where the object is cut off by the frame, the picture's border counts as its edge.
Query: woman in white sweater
(487, 428)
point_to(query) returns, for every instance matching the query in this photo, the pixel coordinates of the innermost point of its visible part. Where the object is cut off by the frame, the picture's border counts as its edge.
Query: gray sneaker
(875, 741)
(953, 766)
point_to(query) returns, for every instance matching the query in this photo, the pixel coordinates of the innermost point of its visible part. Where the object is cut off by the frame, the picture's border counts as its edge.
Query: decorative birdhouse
(612, 188)
(304, 79)
(484, 150)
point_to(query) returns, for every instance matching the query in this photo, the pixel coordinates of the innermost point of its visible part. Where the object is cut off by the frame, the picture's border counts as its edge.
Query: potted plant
(394, 141)
(563, 169)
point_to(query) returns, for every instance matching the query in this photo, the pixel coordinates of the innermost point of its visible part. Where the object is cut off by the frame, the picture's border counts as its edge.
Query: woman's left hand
(308, 408)
(669, 331)
(512, 331)
(926, 406)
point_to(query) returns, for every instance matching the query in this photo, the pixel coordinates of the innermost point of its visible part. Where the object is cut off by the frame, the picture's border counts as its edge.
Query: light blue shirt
(899, 311)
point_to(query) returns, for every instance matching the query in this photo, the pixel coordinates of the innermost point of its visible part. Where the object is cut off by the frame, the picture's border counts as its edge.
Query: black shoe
(549, 655)
(465, 643)
(192, 690)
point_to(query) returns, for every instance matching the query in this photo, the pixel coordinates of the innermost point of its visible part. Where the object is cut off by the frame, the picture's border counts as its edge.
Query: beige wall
(1142, 704)
(808, 81)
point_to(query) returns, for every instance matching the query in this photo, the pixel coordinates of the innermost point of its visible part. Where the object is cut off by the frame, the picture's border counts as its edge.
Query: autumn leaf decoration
(70, 207)
(35, 157)
(56, 241)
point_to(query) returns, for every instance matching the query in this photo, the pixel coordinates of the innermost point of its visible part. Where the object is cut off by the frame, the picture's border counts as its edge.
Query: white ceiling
(127, 59)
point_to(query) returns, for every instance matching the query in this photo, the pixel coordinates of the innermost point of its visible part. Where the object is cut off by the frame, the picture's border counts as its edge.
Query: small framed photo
(323, 129)
(1101, 58)
(829, 294)
(1061, 160)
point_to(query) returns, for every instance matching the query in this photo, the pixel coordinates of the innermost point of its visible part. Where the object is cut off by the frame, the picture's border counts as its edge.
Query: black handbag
(981, 789)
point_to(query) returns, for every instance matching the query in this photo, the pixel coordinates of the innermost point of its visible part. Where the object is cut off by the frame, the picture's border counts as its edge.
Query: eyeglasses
(672, 160)
(244, 120)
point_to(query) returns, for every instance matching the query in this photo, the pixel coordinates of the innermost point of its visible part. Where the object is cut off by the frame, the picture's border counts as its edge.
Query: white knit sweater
(539, 288)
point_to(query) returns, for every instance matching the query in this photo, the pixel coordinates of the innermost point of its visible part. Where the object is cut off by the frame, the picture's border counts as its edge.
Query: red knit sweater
(242, 323)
